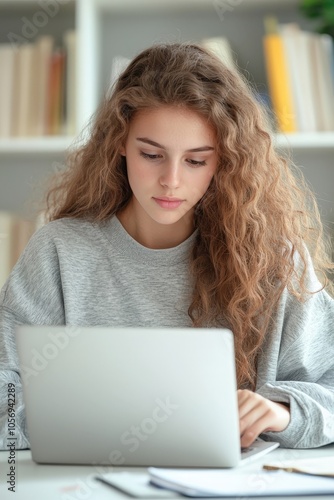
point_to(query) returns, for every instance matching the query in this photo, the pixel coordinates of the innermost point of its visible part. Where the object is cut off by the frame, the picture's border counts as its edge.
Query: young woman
(179, 212)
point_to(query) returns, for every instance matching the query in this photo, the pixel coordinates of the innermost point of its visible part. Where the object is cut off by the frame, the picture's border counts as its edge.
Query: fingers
(252, 417)
(252, 408)
(258, 415)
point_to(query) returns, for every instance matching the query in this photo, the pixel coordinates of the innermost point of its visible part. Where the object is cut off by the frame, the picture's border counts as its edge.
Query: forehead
(171, 123)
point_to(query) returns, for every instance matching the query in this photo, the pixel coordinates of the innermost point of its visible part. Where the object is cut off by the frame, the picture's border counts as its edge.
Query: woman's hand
(258, 414)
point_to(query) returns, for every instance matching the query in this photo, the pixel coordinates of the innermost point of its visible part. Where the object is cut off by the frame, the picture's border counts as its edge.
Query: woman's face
(171, 158)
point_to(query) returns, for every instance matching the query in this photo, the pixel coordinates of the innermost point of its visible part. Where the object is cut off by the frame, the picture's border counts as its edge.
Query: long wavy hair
(256, 216)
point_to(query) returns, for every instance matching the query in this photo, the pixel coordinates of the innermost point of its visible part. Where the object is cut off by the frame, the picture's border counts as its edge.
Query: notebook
(163, 397)
(225, 483)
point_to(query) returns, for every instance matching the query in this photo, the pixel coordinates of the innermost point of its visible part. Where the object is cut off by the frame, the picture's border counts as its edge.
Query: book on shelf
(15, 232)
(6, 89)
(56, 93)
(118, 65)
(220, 47)
(37, 93)
(300, 77)
(70, 82)
(45, 46)
(27, 61)
(278, 78)
(288, 32)
(324, 57)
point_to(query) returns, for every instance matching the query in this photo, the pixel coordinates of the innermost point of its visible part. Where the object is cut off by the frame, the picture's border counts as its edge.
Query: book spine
(26, 60)
(55, 92)
(325, 61)
(279, 83)
(45, 47)
(70, 43)
(221, 48)
(6, 89)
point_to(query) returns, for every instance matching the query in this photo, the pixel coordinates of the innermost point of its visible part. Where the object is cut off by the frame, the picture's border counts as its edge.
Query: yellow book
(278, 79)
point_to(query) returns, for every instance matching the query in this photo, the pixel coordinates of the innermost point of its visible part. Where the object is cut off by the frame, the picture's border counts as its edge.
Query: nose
(171, 175)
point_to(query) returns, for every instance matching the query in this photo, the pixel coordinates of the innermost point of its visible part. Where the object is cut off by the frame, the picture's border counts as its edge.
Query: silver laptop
(132, 396)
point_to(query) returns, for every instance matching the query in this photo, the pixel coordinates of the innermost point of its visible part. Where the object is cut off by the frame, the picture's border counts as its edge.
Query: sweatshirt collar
(124, 244)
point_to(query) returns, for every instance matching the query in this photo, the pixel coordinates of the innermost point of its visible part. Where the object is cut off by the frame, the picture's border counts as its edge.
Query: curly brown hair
(256, 215)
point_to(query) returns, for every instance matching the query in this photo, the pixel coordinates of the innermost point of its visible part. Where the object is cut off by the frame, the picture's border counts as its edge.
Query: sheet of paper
(224, 483)
(135, 484)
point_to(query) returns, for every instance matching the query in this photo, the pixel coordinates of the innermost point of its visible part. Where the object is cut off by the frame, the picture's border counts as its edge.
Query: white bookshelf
(306, 141)
(32, 145)
(110, 27)
(97, 15)
(58, 144)
(192, 4)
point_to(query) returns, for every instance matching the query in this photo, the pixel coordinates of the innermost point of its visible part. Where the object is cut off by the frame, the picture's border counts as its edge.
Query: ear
(122, 151)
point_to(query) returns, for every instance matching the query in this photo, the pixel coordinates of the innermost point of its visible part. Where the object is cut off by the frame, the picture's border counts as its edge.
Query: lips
(166, 202)
(168, 198)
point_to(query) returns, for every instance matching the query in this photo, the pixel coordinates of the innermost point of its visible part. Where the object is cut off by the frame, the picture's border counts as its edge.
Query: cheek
(204, 182)
(139, 174)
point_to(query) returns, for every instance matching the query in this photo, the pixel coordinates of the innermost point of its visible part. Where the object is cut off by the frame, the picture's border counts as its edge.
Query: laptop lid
(130, 396)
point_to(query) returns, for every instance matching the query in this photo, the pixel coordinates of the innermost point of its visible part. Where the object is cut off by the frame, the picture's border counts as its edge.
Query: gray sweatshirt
(75, 272)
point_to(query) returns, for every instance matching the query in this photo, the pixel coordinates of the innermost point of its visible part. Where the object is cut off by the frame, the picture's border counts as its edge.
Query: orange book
(55, 92)
(279, 80)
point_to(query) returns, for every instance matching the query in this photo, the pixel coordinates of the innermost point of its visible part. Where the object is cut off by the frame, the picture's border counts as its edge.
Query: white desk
(54, 482)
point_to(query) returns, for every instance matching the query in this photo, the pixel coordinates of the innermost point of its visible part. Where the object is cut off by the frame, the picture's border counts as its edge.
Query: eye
(150, 157)
(197, 163)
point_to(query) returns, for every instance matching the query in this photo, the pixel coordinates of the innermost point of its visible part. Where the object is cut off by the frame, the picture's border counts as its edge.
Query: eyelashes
(194, 163)
(150, 157)
(197, 163)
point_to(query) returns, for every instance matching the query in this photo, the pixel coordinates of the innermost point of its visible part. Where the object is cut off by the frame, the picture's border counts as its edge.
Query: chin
(167, 221)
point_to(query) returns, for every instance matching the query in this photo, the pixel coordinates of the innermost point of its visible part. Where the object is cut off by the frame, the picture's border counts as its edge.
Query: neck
(152, 234)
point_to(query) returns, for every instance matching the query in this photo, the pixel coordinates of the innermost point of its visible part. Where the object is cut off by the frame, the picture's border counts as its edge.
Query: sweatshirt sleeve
(31, 295)
(300, 369)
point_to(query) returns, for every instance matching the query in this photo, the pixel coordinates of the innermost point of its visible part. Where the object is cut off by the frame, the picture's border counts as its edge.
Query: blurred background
(59, 57)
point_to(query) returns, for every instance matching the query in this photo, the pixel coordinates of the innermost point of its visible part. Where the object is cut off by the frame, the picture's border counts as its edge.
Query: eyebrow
(194, 150)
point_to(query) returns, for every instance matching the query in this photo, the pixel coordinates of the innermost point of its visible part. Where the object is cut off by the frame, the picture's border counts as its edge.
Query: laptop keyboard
(246, 450)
